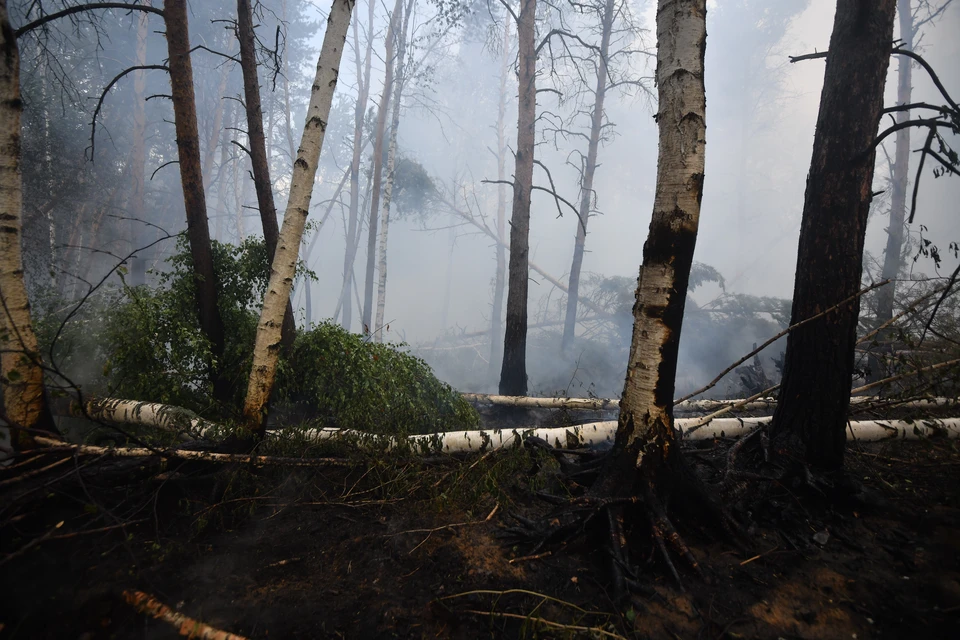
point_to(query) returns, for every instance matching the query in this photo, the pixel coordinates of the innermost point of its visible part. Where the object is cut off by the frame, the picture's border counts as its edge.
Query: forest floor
(410, 549)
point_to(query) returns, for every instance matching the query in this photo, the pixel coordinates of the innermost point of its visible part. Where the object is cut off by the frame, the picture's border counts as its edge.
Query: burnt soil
(404, 548)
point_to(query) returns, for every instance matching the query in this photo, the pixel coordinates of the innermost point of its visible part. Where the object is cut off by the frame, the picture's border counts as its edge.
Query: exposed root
(621, 508)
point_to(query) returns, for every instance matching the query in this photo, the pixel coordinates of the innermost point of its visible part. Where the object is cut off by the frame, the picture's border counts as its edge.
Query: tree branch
(39, 22)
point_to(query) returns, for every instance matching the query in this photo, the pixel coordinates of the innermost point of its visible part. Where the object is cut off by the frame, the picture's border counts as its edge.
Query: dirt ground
(412, 550)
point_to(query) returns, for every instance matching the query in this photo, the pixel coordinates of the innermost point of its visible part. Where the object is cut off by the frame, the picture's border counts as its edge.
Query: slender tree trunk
(388, 187)
(266, 349)
(513, 372)
(21, 375)
(359, 114)
(496, 314)
(898, 193)
(288, 115)
(138, 158)
(191, 178)
(258, 150)
(221, 172)
(586, 187)
(215, 130)
(367, 318)
(811, 414)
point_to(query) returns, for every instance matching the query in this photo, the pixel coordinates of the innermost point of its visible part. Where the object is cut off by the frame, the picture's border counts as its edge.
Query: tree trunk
(586, 187)
(266, 349)
(388, 187)
(353, 222)
(215, 129)
(646, 408)
(898, 193)
(513, 372)
(815, 393)
(496, 315)
(258, 150)
(191, 178)
(367, 317)
(221, 171)
(21, 374)
(138, 157)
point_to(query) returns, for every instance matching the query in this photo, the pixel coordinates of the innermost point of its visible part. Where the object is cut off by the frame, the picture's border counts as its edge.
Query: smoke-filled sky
(761, 115)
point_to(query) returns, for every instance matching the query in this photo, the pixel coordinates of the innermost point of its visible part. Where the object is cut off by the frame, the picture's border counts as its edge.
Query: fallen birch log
(185, 625)
(146, 414)
(599, 434)
(687, 406)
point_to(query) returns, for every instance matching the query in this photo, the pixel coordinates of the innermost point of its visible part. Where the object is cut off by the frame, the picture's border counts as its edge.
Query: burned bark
(810, 419)
(513, 371)
(496, 315)
(191, 178)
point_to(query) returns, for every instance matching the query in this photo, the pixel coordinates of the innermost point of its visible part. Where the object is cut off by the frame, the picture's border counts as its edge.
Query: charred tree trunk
(898, 191)
(645, 436)
(513, 372)
(586, 187)
(496, 315)
(21, 375)
(367, 318)
(191, 178)
(258, 150)
(353, 221)
(267, 347)
(811, 414)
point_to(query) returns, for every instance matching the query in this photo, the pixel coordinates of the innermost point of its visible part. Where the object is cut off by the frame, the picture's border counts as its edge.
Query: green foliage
(376, 388)
(156, 352)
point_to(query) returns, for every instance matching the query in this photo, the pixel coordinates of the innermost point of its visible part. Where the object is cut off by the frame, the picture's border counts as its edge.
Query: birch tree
(266, 348)
(21, 373)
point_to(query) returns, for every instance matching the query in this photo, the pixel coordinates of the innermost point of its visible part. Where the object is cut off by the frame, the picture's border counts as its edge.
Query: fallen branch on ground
(207, 456)
(186, 626)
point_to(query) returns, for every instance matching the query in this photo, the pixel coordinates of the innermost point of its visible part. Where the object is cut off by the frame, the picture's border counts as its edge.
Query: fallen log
(687, 406)
(185, 625)
(134, 412)
(601, 434)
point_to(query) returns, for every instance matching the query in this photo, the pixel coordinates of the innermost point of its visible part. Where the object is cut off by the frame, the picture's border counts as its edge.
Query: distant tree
(21, 373)
(811, 415)
(913, 15)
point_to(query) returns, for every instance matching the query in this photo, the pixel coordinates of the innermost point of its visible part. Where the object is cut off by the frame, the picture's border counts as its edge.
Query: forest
(400, 319)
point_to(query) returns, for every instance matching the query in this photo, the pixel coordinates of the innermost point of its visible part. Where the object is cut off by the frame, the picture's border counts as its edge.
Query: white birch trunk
(378, 329)
(267, 347)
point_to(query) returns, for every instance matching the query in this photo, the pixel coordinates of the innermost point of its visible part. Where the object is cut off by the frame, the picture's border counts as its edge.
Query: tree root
(647, 502)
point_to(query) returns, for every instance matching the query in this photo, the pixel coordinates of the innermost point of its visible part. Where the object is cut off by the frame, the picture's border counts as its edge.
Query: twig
(536, 556)
(186, 626)
(766, 344)
(908, 374)
(430, 532)
(35, 472)
(22, 550)
(548, 623)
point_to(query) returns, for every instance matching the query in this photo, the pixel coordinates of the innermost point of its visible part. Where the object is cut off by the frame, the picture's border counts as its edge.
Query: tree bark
(258, 151)
(359, 113)
(496, 315)
(513, 371)
(646, 408)
(388, 187)
(898, 191)
(24, 398)
(586, 187)
(191, 178)
(367, 318)
(266, 349)
(815, 394)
